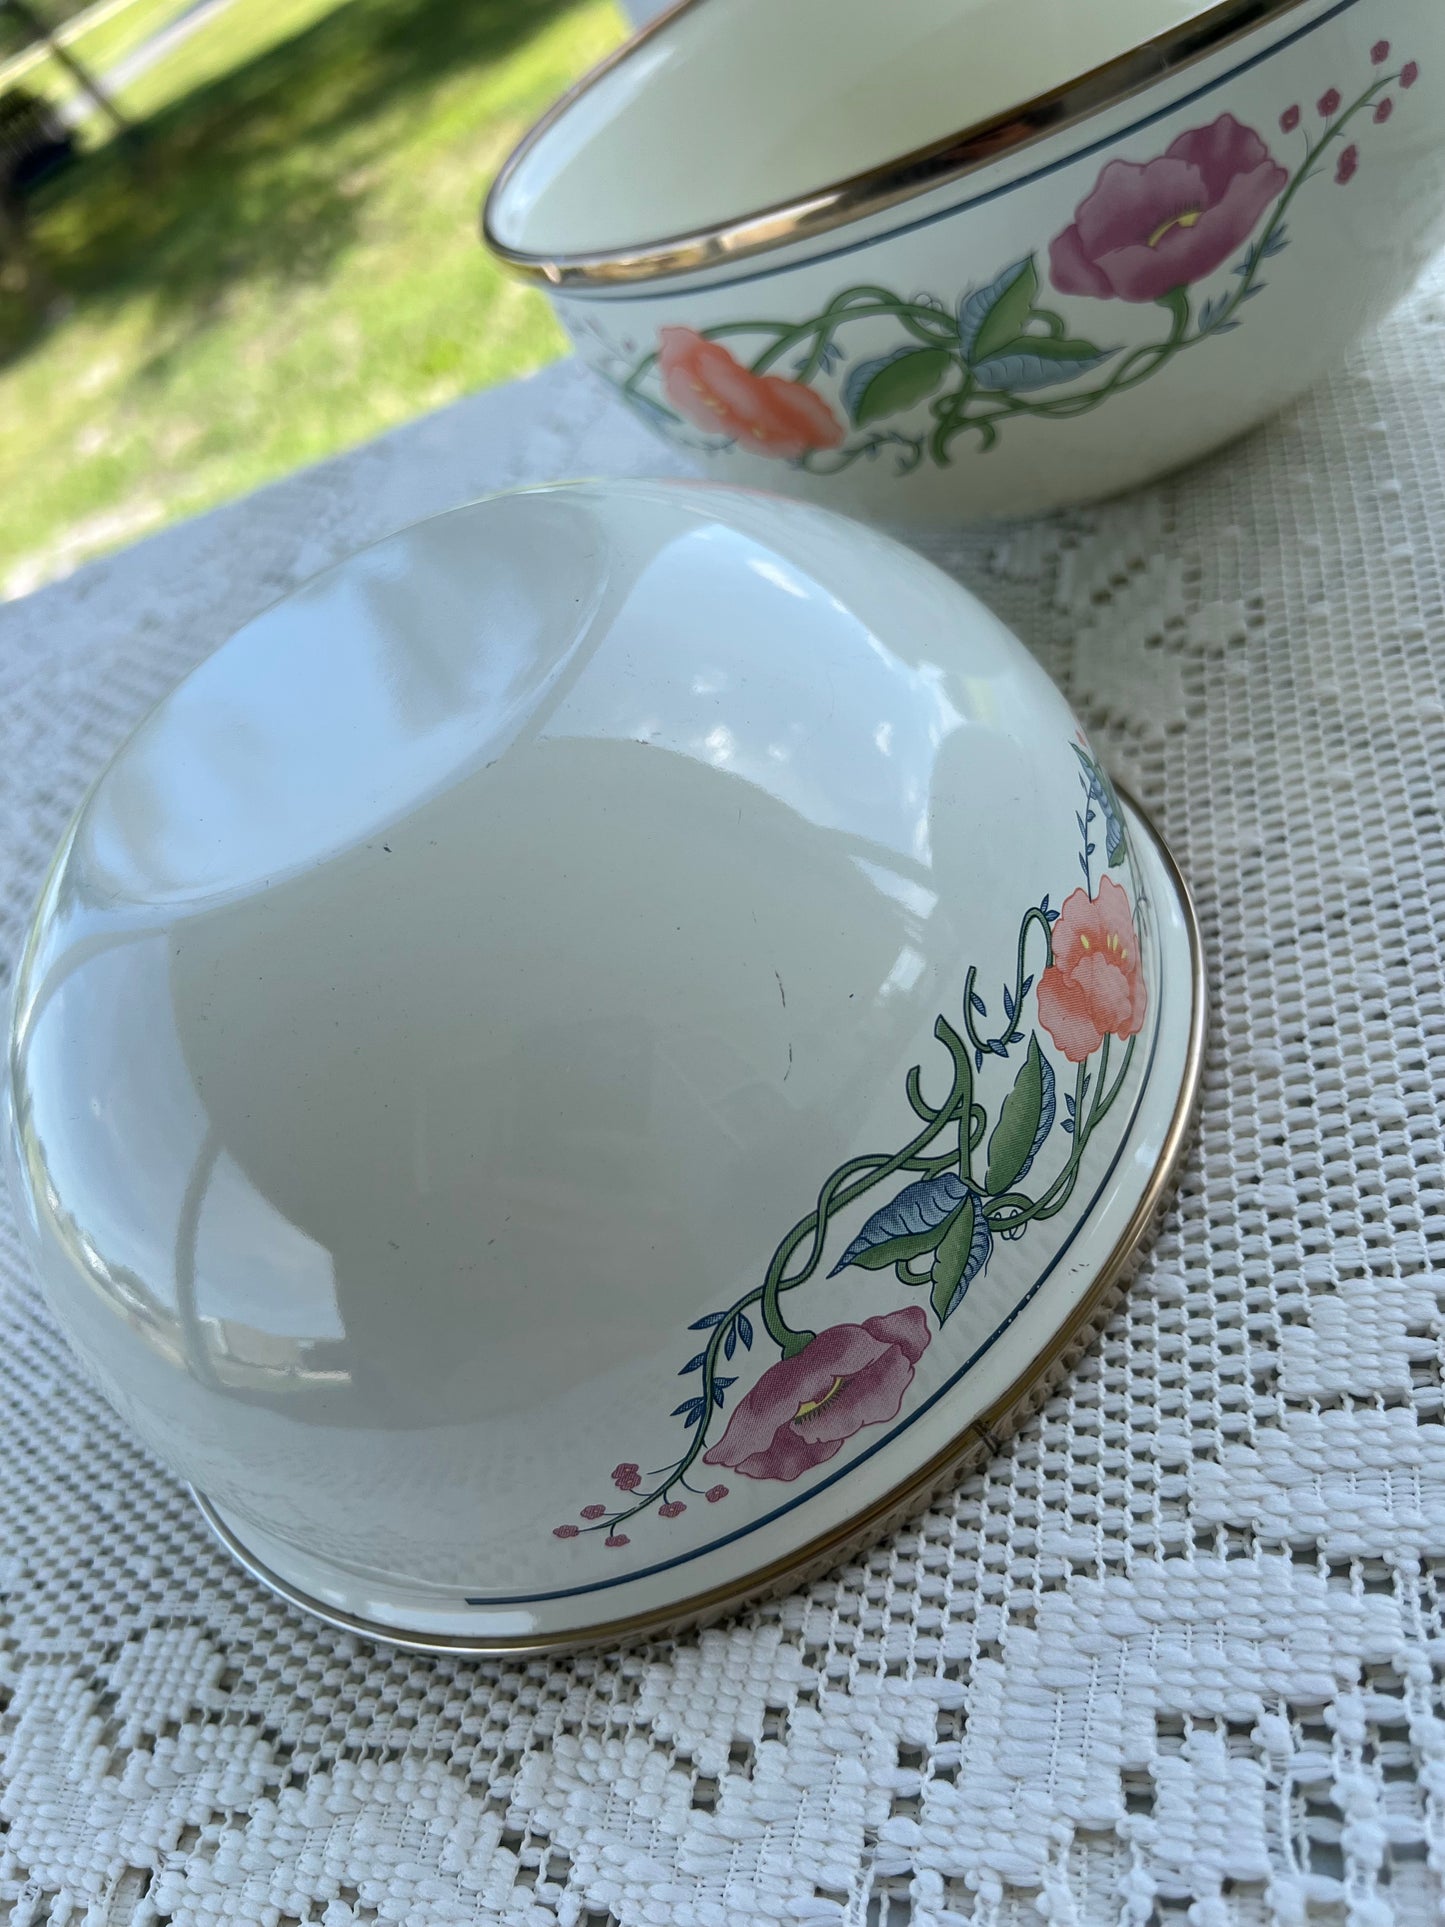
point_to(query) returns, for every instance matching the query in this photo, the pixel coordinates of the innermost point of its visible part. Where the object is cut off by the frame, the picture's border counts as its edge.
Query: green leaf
(892, 1251)
(999, 310)
(1005, 320)
(952, 1260)
(891, 383)
(1015, 1137)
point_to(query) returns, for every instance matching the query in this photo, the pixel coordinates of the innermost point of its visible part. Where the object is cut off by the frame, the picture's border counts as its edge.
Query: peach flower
(766, 413)
(1094, 987)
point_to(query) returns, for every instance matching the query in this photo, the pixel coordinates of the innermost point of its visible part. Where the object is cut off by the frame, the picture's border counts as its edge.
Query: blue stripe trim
(847, 1471)
(979, 200)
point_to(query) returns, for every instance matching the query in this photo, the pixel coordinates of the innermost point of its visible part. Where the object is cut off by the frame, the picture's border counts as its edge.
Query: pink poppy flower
(803, 1408)
(765, 413)
(1094, 987)
(1147, 230)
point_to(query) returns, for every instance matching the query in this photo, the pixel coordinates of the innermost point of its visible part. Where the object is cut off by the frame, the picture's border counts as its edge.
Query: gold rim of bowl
(901, 179)
(911, 1495)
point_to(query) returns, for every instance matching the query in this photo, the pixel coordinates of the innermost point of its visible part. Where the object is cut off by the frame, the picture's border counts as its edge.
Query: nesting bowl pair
(582, 1063)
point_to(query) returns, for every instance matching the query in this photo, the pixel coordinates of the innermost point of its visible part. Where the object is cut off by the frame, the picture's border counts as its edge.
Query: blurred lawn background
(289, 263)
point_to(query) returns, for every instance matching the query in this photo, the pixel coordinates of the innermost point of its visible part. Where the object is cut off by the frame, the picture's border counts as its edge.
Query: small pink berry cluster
(1328, 105)
(627, 1477)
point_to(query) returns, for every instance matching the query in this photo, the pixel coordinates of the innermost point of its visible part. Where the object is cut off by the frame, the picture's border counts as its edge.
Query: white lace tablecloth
(1177, 1655)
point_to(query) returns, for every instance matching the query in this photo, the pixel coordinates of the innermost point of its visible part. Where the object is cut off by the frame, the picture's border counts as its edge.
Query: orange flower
(1094, 987)
(766, 413)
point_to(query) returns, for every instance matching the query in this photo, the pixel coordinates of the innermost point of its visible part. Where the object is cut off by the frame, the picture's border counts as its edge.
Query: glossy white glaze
(459, 985)
(763, 103)
(1359, 196)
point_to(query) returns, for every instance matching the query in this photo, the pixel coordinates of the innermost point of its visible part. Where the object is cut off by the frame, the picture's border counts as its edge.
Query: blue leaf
(1083, 826)
(996, 1045)
(1052, 915)
(1035, 366)
(1101, 792)
(1277, 243)
(1068, 1126)
(692, 1409)
(918, 1210)
(975, 308)
(692, 1365)
(1226, 328)
(979, 1005)
(1084, 865)
(730, 1343)
(1069, 1105)
(1027, 986)
(745, 1330)
(704, 1324)
(978, 1060)
(719, 1386)
(1008, 1006)
(1044, 906)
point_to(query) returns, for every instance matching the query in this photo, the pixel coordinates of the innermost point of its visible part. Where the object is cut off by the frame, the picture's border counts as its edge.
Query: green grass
(98, 45)
(294, 269)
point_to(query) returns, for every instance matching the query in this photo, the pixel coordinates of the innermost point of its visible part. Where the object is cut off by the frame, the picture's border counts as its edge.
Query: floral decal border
(1146, 233)
(963, 1172)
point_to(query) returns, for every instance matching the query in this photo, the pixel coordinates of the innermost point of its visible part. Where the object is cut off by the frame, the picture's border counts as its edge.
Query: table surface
(1177, 1654)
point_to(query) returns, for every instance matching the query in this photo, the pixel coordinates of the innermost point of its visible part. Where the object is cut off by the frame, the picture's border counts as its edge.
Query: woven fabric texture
(1177, 1654)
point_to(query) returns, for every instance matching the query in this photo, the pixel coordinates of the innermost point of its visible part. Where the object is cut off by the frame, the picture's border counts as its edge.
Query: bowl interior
(733, 106)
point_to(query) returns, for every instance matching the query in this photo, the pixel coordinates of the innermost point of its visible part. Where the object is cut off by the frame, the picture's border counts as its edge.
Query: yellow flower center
(1189, 218)
(1113, 943)
(811, 1405)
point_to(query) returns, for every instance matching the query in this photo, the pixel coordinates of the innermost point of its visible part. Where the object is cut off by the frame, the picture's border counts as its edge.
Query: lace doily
(1177, 1654)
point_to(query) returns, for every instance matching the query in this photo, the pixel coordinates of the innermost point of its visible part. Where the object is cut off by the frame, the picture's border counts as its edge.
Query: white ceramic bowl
(957, 258)
(539, 1080)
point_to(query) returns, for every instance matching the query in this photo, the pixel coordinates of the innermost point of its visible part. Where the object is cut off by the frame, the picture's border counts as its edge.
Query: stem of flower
(836, 1195)
(1061, 1190)
(984, 1044)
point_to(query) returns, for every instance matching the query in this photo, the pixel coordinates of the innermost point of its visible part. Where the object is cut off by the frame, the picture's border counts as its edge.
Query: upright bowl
(990, 257)
(582, 1059)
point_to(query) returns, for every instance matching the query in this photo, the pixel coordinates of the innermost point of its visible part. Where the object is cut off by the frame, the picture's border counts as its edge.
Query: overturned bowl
(578, 1063)
(995, 257)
